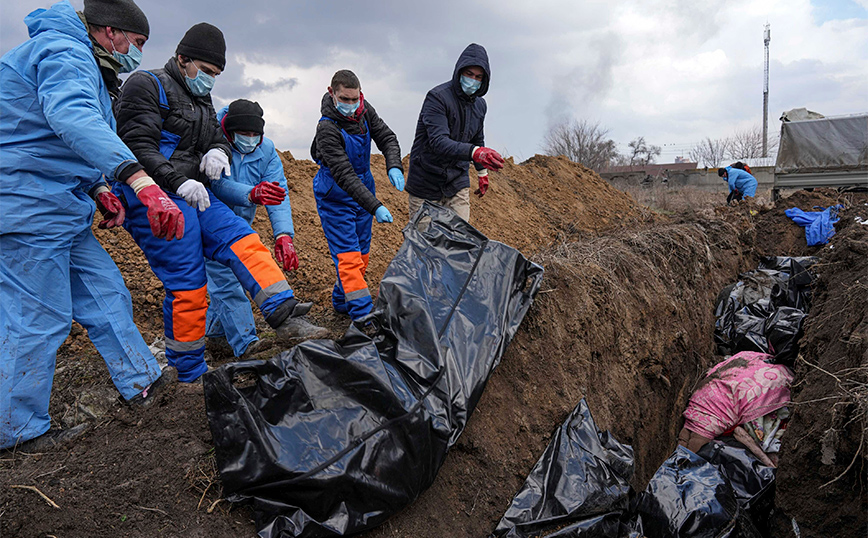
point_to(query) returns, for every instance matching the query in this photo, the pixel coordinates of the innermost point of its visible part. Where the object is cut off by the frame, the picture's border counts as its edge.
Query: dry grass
(851, 394)
(204, 478)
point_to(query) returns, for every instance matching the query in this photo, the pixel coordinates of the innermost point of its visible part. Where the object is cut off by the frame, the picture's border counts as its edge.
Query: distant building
(652, 169)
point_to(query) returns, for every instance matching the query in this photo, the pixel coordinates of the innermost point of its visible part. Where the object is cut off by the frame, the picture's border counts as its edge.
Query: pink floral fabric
(742, 388)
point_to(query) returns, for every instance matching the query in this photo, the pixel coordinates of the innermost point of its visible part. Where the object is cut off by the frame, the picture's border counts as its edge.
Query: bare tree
(710, 153)
(748, 144)
(642, 153)
(582, 142)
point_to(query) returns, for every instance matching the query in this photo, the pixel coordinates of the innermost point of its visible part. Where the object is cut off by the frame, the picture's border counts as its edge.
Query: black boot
(288, 322)
(51, 439)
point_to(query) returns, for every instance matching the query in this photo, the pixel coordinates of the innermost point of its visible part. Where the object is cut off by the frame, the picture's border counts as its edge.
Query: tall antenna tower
(767, 36)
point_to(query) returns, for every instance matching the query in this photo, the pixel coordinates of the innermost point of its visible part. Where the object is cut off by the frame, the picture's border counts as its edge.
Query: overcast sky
(672, 71)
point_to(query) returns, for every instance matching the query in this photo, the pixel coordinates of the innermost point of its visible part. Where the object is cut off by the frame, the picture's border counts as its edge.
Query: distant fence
(704, 178)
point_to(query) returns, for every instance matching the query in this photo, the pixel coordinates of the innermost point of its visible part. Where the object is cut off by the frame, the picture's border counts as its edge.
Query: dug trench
(624, 319)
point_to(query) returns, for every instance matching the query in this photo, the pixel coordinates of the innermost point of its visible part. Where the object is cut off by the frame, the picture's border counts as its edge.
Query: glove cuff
(141, 183)
(482, 173)
(99, 189)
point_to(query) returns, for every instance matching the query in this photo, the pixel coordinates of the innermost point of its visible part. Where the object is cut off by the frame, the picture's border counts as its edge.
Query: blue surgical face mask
(129, 61)
(246, 144)
(347, 109)
(201, 85)
(470, 85)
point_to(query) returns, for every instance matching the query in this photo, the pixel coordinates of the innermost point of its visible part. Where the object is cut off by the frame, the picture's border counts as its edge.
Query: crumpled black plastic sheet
(332, 437)
(580, 486)
(748, 313)
(688, 498)
(752, 482)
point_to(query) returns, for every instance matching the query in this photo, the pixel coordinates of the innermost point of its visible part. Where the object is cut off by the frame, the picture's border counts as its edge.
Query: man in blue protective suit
(167, 119)
(57, 142)
(741, 183)
(449, 135)
(344, 187)
(257, 179)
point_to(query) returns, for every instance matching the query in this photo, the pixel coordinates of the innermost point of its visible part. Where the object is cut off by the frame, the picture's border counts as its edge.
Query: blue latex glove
(382, 213)
(397, 178)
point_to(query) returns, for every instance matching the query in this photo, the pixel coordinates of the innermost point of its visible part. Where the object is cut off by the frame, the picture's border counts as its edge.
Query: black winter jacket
(192, 118)
(450, 125)
(328, 148)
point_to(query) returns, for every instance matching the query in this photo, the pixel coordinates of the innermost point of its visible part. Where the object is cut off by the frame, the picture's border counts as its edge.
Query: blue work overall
(347, 226)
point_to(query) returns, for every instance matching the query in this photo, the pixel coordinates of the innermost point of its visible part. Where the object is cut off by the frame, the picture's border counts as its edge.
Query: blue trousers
(45, 283)
(219, 235)
(347, 228)
(229, 314)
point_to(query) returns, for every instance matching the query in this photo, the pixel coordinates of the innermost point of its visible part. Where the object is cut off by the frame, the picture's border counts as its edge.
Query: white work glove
(214, 163)
(195, 194)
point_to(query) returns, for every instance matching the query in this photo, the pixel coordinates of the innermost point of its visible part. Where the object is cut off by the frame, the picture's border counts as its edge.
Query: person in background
(57, 143)
(257, 180)
(742, 166)
(741, 183)
(344, 188)
(449, 135)
(167, 119)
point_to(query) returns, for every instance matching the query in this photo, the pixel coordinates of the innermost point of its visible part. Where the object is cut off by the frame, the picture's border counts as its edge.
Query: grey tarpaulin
(333, 437)
(580, 486)
(822, 145)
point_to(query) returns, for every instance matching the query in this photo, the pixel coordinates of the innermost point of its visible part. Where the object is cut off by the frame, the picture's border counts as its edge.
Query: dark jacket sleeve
(479, 138)
(434, 119)
(139, 126)
(386, 140)
(330, 147)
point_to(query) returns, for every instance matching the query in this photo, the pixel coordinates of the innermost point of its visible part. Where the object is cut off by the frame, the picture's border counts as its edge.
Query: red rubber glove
(112, 210)
(165, 218)
(285, 253)
(483, 186)
(488, 158)
(267, 194)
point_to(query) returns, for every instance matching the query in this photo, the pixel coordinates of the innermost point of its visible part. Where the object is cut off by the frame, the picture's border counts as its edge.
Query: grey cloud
(579, 90)
(417, 43)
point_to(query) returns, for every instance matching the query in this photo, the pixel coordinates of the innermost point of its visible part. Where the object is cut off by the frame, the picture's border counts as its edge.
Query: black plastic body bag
(765, 310)
(333, 437)
(580, 487)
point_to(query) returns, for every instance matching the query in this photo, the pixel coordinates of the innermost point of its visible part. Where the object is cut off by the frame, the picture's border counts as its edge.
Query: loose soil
(822, 478)
(624, 319)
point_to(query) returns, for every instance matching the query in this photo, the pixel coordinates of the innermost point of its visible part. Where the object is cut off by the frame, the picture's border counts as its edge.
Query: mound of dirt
(528, 206)
(770, 231)
(821, 478)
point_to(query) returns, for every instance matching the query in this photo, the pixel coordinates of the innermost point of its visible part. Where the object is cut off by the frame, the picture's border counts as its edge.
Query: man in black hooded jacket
(449, 134)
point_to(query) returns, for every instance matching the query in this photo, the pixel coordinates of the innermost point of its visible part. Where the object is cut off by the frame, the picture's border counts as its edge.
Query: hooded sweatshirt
(57, 134)
(450, 125)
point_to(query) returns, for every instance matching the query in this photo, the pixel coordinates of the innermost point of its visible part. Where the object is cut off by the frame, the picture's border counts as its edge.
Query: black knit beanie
(244, 115)
(721, 171)
(121, 14)
(204, 42)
